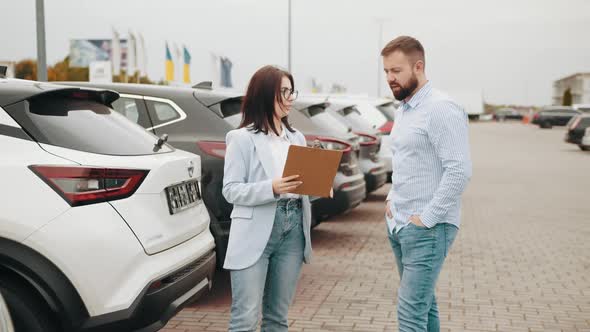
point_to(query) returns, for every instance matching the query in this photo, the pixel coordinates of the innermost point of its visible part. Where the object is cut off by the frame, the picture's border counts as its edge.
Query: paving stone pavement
(521, 260)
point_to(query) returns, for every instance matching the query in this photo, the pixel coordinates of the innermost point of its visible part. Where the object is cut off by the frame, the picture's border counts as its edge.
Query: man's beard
(405, 91)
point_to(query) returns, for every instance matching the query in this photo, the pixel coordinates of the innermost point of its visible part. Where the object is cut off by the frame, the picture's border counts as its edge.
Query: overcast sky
(512, 50)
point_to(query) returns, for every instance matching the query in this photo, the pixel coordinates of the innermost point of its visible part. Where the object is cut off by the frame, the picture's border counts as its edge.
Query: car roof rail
(3, 70)
(207, 85)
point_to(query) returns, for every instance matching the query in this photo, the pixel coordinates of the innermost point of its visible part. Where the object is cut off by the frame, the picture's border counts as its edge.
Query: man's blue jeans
(419, 254)
(272, 280)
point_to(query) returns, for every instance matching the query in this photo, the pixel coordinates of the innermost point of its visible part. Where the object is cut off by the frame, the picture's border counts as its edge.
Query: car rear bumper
(152, 309)
(375, 179)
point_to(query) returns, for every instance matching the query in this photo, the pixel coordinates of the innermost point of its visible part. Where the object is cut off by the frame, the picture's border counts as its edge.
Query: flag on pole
(187, 65)
(177, 59)
(116, 53)
(169, 65)
(131, 55)
(143, 67)
(226, 66)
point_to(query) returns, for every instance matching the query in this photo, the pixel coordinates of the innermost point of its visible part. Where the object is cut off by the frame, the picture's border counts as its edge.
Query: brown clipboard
(316, 168)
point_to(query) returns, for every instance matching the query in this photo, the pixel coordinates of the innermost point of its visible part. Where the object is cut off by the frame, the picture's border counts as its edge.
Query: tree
(59, 71)
(567, 97)
(26, 69)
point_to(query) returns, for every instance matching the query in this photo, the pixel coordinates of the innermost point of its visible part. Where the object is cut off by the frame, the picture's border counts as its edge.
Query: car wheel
(28, 312)
(584, 148)
(546, 125)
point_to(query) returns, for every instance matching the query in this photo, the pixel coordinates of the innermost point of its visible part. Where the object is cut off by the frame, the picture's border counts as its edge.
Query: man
(431, 168)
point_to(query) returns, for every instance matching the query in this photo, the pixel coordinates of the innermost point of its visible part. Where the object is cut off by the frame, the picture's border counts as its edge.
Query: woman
(269, 237)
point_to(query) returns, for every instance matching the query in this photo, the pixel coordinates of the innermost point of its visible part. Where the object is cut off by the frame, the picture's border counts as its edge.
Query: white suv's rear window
(83, 125)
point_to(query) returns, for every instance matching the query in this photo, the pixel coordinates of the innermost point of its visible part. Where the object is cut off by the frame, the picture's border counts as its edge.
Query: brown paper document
(316, 168)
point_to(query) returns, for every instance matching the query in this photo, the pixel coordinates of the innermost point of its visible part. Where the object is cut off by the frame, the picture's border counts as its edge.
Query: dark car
(349, 184)
(192, 119)
(576, 129)
(551, 116)
(504, 114)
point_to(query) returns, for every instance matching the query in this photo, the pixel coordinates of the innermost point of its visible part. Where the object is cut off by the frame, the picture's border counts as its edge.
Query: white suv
(102, 226)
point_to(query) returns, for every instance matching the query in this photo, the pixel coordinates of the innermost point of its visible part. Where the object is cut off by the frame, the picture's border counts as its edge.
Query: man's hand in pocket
(416, 221)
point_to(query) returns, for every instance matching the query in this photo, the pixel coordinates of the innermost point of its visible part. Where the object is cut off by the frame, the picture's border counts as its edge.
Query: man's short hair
(409, 46)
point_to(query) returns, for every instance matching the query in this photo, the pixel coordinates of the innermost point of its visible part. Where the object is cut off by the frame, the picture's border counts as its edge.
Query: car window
(231, 107)
(128, 108)
(83, 125)
(164, 112)
(161, 112)
(133, 110)
(348, 110)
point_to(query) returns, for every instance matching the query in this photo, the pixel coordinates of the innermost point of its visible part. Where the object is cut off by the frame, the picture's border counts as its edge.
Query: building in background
(573, 89)
(85, 51)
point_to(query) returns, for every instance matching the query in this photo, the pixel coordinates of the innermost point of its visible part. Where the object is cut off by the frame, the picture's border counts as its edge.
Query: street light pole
(41, 56)
(289, 39)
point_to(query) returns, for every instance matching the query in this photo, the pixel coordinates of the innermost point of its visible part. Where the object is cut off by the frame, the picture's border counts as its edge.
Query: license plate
(183, 196)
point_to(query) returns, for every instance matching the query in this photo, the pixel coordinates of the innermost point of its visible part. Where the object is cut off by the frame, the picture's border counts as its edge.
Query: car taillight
(80, 185)
(344, 186)
(366, 139)
(386, 128)
(213, 148)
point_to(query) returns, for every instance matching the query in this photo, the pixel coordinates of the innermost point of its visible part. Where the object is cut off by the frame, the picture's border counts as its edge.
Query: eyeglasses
(289, 94)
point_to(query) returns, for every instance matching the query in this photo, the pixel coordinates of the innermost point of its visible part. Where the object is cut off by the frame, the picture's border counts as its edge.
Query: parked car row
(198, 119)
(551, 116)
(114, 217)
(576, 119)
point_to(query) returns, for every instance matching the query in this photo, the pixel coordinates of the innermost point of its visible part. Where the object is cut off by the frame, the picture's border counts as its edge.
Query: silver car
(370, 140)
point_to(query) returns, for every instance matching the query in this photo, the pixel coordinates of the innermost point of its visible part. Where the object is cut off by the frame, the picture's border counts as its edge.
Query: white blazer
(247, 184)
